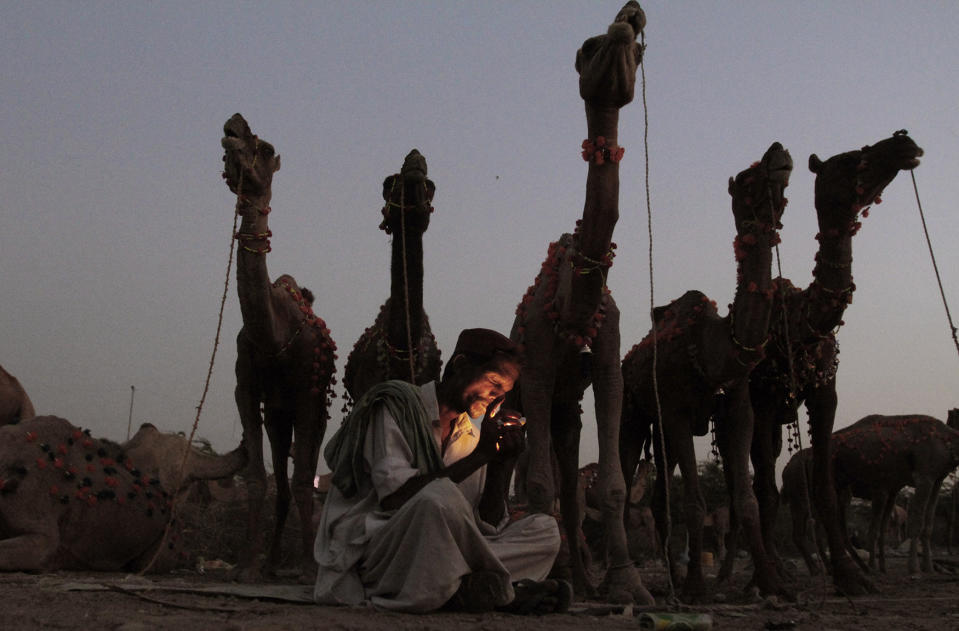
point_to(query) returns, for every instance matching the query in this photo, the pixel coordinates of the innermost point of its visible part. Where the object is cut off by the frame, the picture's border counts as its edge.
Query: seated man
(416, 517)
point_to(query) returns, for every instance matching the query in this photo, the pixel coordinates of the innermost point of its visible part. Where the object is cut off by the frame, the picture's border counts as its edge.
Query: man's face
(478, 393)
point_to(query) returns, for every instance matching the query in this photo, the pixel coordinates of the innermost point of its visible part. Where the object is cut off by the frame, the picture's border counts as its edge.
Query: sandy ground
(106, 602)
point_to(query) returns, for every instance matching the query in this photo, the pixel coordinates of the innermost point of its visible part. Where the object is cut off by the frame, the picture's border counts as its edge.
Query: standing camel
(701, 354)
(400, 344)
(284, 359)
(568, 323)
(878, 455)
(874, 459)
(15, 405)
(803, 328)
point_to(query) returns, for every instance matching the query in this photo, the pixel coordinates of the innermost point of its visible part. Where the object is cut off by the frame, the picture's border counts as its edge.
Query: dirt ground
(106, 602)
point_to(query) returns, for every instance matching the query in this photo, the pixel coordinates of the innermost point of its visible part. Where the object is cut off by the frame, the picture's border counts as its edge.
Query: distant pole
(130, 419)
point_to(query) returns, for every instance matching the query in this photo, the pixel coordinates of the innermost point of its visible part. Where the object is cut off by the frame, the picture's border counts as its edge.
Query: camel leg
(732, 537)
(537, 405)
(566, 426)
(821, 405)
(659, 504)
(804, 533)
(29, 552)
(766, 447)
(279, 429)
(915, 521)
(308, 435)
(694, 509)
(887, 506)
(928, 521)
(622, 578)
(738, 445)
(876, 508)
(248, 405)
(633, 430)
(844, 500)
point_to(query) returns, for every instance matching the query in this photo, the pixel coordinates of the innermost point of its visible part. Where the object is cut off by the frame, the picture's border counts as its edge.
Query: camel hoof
(770, 585)
(624, 586)
(849, 581)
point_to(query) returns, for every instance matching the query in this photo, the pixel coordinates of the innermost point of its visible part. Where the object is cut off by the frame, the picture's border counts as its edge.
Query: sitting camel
(70, 501)
(15, 405)
(874, 459)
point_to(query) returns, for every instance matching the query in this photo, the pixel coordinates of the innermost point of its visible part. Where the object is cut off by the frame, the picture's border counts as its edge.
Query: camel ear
(815, 164)
(731, 182)
(276, 165)
(388, 186)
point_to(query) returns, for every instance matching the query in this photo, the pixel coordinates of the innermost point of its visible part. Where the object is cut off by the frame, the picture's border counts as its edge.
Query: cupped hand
(511, 443)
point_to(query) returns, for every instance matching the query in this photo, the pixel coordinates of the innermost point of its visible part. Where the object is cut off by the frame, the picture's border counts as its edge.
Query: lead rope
(671, 597)
(932, 256)
(406, 284)
(206, 385)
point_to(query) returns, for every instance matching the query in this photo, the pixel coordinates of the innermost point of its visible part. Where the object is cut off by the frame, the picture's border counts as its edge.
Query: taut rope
(935, 267)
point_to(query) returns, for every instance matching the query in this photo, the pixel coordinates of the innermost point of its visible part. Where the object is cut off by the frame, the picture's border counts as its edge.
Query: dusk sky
(115, 224)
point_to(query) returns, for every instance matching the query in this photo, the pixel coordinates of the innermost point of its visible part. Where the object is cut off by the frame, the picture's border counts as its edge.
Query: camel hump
(691, 301)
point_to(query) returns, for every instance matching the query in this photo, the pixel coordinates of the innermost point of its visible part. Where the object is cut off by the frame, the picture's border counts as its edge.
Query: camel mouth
(913, 162)
(784, 169)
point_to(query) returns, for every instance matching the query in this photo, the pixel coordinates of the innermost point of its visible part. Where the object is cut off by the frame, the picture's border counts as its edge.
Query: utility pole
(130, 419)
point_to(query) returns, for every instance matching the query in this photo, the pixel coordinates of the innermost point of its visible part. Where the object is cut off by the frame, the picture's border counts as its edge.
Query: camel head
(607, 63)
(160, 455)
(408, 195)
(247, 157)
(847, 182)
(759, 191)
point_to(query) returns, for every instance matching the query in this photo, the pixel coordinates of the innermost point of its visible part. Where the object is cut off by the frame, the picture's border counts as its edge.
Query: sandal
(537, 598)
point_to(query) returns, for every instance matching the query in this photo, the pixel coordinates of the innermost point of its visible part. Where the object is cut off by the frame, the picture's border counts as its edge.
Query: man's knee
(442, 496)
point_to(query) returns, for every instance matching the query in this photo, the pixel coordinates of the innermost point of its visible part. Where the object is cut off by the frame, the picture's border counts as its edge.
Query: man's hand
(502, 435)
(512, 441)
(489, 432)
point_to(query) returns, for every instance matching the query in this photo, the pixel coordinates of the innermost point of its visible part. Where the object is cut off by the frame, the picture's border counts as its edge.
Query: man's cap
(484, 343)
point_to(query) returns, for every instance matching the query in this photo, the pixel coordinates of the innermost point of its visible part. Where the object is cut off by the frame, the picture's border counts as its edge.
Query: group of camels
(747, 371)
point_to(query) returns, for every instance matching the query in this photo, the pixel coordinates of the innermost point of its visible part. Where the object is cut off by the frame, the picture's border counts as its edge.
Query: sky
(115, 225)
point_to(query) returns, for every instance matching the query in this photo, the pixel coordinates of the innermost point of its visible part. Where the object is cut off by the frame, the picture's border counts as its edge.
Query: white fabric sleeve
(387, 454)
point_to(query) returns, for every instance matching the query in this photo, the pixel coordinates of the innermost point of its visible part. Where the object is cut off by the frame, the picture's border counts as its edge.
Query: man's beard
(475, 406)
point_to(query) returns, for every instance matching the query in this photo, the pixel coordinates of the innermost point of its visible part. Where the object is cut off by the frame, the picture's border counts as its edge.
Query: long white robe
(413, 559)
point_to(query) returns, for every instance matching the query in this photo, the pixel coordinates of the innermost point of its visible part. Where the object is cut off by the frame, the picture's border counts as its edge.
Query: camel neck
(406, 288)
(753, 300)
(601, 209)
(594, 232)
(832, 287)
(252, 276)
